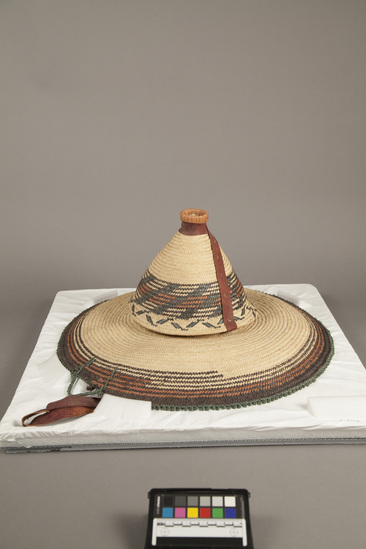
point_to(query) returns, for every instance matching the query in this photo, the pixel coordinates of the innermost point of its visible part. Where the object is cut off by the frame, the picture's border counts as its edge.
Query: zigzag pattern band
(186, 302)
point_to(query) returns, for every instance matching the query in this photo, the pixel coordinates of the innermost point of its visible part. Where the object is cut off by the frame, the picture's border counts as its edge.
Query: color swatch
(204, 506)
(198, 518)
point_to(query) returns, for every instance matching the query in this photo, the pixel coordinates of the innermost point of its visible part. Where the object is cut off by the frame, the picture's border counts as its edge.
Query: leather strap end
(69, 407)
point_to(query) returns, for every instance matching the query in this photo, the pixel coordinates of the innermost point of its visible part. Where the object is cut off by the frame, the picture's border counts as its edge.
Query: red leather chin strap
(193, 229)
(227, 306)
(66, 408)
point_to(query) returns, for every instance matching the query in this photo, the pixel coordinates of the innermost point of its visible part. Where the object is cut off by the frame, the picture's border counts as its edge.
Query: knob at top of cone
(193, 215)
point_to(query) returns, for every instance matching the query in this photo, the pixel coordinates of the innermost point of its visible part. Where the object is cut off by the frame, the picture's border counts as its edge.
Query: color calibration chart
(199, 518)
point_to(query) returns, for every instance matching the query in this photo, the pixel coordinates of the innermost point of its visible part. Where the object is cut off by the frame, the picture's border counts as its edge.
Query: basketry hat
(191, 337)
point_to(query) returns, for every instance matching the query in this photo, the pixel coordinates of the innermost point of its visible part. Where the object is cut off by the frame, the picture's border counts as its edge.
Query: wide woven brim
(283, 350)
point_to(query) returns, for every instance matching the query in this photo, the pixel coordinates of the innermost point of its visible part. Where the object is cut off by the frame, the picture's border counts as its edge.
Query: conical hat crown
(190, 288)
(125, 346)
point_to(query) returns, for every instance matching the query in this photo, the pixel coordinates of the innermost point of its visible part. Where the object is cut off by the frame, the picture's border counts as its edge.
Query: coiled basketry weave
(168, 343)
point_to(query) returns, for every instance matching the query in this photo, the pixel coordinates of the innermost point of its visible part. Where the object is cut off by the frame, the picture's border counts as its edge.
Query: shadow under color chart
(198, 518)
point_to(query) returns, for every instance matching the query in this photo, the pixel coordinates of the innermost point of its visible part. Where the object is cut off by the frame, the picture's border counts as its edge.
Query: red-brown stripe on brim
(214, 386)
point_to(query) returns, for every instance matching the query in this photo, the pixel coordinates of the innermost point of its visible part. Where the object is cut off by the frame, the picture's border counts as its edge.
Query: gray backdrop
(117, 114)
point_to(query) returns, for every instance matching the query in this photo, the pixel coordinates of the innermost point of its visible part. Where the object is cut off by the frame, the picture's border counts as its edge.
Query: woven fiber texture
(179, 293)
(240, 347)
(282, 350)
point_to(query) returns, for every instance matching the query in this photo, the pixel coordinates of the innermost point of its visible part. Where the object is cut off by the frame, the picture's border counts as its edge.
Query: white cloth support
(340, 408)
(331, 409)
